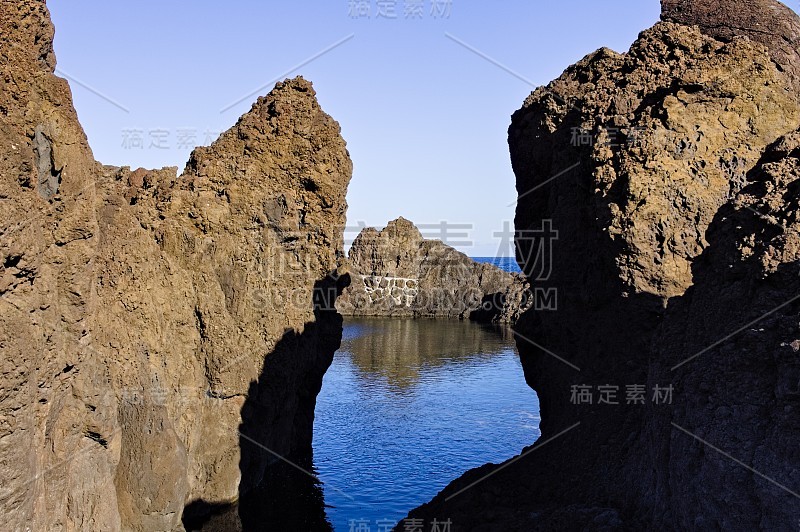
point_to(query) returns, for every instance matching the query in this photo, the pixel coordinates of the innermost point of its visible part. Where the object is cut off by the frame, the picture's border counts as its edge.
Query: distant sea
(508, 264)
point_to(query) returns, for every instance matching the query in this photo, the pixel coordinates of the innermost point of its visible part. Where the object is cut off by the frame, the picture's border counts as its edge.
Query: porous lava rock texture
(764, 21)
(156, 328)
(677, 268)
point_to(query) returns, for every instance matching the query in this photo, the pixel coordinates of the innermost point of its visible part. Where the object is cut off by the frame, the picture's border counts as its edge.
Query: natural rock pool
(409, 405)
(406, 407)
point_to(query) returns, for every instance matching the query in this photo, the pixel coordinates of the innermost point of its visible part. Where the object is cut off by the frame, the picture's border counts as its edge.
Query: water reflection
(409, 405)
(399, 350)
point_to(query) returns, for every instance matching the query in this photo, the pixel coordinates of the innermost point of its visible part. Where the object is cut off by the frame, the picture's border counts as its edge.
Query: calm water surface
(409, 405)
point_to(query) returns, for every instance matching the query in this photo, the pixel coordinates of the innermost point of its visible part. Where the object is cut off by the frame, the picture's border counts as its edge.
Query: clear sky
(424, 117)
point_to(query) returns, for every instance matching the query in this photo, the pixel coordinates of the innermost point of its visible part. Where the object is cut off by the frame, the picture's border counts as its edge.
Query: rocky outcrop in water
(396, 272)
(668, 377)
(154, 325)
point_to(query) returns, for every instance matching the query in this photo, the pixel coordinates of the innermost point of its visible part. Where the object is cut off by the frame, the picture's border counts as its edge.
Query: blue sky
(425, 118)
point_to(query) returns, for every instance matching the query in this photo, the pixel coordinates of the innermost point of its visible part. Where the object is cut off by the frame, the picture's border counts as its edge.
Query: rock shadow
(491, 308)
(728, 346)
(279, 489)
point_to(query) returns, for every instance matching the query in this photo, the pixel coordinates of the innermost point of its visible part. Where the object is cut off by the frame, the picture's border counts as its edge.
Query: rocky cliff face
(764, 21)
(677, 274)
(396, 272)
(156, 330)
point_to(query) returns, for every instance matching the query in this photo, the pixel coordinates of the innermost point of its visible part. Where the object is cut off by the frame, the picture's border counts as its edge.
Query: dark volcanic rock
(146, 318)
(396, 272)
(677, 268)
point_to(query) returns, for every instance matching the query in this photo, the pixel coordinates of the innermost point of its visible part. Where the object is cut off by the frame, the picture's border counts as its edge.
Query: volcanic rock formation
(764, 21)
(396, 272)
(156, 330)
(677, 275)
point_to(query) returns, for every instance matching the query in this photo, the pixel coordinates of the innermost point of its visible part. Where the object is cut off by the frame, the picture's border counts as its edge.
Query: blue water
(508, 264)
(409, 405)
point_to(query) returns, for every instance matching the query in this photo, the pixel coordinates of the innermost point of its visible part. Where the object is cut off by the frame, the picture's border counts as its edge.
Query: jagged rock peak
(397, 272)
(290, 102)
(150, 309)
(398, 229)
(392, 251)
(402, 229)
(291, 110)
(290, 153)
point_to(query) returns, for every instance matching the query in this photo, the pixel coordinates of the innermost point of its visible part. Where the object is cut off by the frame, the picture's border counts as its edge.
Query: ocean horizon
(508, 264)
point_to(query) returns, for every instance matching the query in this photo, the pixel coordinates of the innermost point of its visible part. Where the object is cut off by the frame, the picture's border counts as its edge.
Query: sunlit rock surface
(146, 318)
(397, 272)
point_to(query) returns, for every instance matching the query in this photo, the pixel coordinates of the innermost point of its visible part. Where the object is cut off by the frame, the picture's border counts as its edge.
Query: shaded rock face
(137, 309)
(396, 272)
(676, 267)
